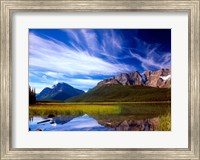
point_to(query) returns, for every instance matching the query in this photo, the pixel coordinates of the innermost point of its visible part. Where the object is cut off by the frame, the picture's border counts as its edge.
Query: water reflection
(130, 124)
(88, 123)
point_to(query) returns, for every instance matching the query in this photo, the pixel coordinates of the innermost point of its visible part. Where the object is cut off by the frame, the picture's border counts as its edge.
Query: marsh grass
(102, 108)
(164, 122)
(72, 109)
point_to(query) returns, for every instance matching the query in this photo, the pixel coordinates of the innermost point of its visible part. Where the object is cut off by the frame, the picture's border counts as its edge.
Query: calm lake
(100, 117)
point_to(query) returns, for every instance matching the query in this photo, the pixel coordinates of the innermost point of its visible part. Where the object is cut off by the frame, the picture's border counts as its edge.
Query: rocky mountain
(58, 92)
(160, 78)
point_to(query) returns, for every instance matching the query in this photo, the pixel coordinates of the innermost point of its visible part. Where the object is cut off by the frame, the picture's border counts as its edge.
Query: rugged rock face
(160, 78)
(110, 81)
(136, 78)
(124, 79)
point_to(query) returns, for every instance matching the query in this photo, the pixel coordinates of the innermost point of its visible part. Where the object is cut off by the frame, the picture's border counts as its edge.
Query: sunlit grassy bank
(102, 103)
(72, 109)
(165, 122)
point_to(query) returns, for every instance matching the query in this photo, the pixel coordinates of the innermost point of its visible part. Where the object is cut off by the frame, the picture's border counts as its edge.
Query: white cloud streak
(58, 57)
(88, 40)
(54, 75)
(152, 57)
(146, 62)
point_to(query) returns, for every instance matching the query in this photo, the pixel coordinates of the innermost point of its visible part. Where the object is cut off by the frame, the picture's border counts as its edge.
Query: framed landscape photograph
(99, 79)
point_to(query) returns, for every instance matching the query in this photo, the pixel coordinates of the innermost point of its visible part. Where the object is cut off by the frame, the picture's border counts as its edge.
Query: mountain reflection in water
(81, 123)
(87, 123)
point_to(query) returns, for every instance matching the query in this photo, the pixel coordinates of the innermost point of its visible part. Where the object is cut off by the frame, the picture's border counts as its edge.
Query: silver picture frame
(9, 7)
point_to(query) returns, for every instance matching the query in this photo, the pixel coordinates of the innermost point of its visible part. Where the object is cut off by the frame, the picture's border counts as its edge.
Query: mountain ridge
(160, 78)
(60, 92)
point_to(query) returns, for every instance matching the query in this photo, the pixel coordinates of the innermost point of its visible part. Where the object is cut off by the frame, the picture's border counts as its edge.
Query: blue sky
(83, 57)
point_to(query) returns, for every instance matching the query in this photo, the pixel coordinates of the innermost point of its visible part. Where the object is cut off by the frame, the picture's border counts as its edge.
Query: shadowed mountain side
(120, 93)
(59, 92)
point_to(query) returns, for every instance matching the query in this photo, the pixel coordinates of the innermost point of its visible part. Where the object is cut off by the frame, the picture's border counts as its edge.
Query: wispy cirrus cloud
(90, 39)
(108, 45)
(58, 57)
(54, 74)
(150, 55)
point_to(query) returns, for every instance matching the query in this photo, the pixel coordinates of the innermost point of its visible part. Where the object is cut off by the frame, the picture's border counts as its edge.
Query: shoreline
(68, 103)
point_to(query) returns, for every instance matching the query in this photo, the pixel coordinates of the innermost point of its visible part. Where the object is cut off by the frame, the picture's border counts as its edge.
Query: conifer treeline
(32, 95)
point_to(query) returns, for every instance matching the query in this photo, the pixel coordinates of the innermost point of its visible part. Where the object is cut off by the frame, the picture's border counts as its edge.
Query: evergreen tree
(32, 95)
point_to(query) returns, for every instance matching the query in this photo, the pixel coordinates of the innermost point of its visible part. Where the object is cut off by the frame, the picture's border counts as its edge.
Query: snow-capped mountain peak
(165, 77)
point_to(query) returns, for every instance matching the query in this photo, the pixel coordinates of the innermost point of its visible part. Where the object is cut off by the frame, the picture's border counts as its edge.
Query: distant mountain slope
(126, 93)
(59, 92)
